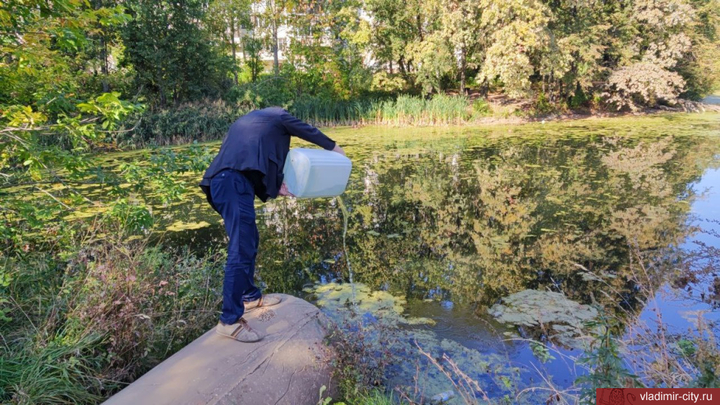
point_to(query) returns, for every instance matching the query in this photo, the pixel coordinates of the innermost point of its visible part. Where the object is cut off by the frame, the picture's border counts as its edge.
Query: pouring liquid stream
(343, 208)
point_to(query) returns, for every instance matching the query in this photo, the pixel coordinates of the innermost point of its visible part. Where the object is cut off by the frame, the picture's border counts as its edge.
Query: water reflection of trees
(479, 221)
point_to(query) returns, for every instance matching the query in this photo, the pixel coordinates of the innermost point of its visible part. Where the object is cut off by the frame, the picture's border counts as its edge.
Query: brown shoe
(240, 331)
(264, 301)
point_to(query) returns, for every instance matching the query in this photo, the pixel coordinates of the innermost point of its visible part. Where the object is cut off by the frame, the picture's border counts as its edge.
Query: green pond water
(493, 245)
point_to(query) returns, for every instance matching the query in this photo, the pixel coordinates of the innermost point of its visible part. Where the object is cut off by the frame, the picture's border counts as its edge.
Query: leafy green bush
(481, 107)
(543, 105)
(643, 83)
(384, 82)
(184, 124)
(606, 364)
(579, 98)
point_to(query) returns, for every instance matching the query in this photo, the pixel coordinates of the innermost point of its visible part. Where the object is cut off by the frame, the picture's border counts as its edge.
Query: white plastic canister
(311, 173)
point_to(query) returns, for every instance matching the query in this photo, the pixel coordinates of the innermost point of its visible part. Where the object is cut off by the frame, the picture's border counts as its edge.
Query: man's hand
(284, 191)
(339, 150)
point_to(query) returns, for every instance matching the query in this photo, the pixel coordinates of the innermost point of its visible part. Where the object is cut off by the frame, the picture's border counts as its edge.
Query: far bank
(209, 121)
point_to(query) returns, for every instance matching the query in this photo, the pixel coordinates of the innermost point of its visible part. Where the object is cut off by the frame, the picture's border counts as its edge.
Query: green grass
(83, 324)
(327, 112)
(375, 397)
(210, 121)
(184, 124)
(411, 110)
(440, 109)
(63, 371)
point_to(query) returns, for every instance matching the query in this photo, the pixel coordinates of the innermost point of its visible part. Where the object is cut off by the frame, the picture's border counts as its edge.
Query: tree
(649, 74)
(433, 59)
(270, 16)
(327, 48)
(173, 56)
(581, 46)
(103, 34)
(518, 31)
(251, 49)
(461, 29)
(45, 49)
(396, 25)
(226, 19)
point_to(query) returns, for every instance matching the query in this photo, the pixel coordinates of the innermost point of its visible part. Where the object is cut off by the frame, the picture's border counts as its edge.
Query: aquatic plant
(562, 319)
(606, 364)
(375, 330)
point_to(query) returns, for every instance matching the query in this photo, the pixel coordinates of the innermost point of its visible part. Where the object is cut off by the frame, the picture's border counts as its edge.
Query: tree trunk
(163, 100)
(276, 61)
(104, 65)
(244, 48)
(234, 50)
(463, 66)
(401, 66)
(418, 21)
(105, 68)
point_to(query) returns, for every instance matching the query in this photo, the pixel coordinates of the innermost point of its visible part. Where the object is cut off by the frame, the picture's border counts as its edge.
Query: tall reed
(440, 109)
(210, 120)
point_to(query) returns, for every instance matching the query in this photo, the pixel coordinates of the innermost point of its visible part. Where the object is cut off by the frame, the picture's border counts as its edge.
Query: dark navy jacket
(258, 143)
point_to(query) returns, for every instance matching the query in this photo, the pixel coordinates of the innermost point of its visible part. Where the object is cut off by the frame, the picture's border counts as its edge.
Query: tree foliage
(174, 59)
(567, 50)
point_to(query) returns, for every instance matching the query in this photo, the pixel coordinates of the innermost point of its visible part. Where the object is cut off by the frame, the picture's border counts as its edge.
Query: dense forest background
(340, 57)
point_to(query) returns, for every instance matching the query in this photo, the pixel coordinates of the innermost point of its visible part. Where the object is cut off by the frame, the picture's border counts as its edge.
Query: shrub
(643, 83)
(189, 122)
(481, 107)
(543, 105)
(383, 82)
(579, 98)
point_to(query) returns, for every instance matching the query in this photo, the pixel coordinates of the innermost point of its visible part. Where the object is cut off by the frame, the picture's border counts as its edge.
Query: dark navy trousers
(234, 197)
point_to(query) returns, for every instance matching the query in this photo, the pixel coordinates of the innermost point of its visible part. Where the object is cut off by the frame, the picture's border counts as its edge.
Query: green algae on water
(533, 308)
(336, 299)
(379, 318)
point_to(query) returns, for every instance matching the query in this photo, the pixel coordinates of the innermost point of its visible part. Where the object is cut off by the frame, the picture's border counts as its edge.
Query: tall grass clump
(81, 325)
(411, 110)
(208, 121)
(441, 109)
(327, 112)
